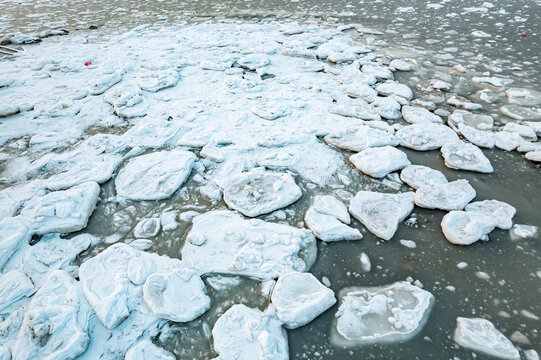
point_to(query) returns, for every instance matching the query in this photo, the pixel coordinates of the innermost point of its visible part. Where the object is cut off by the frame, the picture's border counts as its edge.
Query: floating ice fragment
(417, 115)
(380, 161)
(423, 137)
(446, 196)
(501, 212)
(463, 156)
(465, 228)
(419, 175)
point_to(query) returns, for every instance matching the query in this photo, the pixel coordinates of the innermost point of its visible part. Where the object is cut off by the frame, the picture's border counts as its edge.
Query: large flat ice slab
(423, 137)
(391, 313)
(447, 196)
(360, 138)
(225, 242)
(300, 298)
(56, 325)
(417, 176)
(379, 162)
(381, 213)
(260, 192)
(243, 333)
(480, 335)
(154, 176)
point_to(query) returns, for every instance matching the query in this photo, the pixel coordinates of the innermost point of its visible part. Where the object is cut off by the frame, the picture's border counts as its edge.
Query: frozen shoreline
(221, 99)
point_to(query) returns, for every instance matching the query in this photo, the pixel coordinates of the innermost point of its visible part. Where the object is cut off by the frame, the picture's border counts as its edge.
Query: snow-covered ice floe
(481, 335)
(244, 333)
(299, 298)
(464, 156)
(391, 313)
(224, 242)
(422, 137)
(465, 228)
(445, 196)
(380, 212)
(417, 176)
(328, 218)
(380, 161)
(361, 138)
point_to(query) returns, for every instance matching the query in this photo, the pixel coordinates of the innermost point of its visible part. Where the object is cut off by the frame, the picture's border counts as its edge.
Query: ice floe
(417, 115)
(381, 213)
(154, 176)
(224, 242)
(481, 335)
(299, 298)
(389, 88)
(379, 162)
(445, 196)
(477, 137)
(423, 137)
(361, 138)
(465, 228)
(501, 212)
(244, 333)
(392, 313)
(260, 192)
(463, 156)
(327, 218)
(419, 175)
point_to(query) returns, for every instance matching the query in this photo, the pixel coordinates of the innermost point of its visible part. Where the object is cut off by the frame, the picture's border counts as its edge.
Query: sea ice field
(270, 180)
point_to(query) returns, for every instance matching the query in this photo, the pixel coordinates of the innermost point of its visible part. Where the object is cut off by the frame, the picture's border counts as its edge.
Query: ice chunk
(507, 141)
(243, 333)
(361, 91)
(387, 107)
(403, 65)
(127, 102)
(522, 231)
(224, 242)
(61, 211)
(463, 156)
(523, 97)
(477, 137)
(476, 121)
(447, 196)
(379, 162)
(329, 205)
(154, 176)
(177, 296)
(56, 325)
(424, 137)
(147, 228)
(419, 175)
(534, 156)
(254, 61)
(360, 138)
(417, 115)
(480, 335)
(501, 212)
(14, 234)
(271, 110)
(391, 313)
(465, 228)
(460, 102)
(389, 88)
(159, 80)
(328, 228)
(260, 192)
(300, 298)
(104, 83)
(146, 350)
(379, 71)
(14, 285)
(381, 213)
(525, 131)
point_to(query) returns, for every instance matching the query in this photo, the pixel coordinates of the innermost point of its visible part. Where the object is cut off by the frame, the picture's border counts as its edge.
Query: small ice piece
(525, 131)
(329, 205)
(507, 141)
(360, 138)
(391, 313)
(104, 83)
(423, 137)
(529, 315)
(417, 115)
(56, 325)
(14, 285)
(379, 71)
(523, 97)
(476, 121)
(147, 228)
(178, 295)
(168, 220)
(254, 61)
(520, 113)
(534, 156)
(521, 231)
(465, 228)
(418, 175)
(460, 102)
(381, 213)
(534, 125)
(387, 107)
(389, 88)
(403, 65)
(531, 354)
(501, 212)
(328, 228)
(154, 176)
(260, 192)
(146, 350)
(462, 265)
(14, 235)
(224, 242)
(158, 80)
(480, 335)
(449, 196)
(300, 298)
(379, 162)
(243, 333)
(463, 156)
(127, 102)
(408, 243)
(361, 111)
(366, 264)
(61, 211)
(271, 110)
(8, 109)
(482, 275)
(477, 137)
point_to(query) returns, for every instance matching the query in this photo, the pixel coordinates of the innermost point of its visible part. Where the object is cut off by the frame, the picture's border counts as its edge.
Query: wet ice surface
(273, 96)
